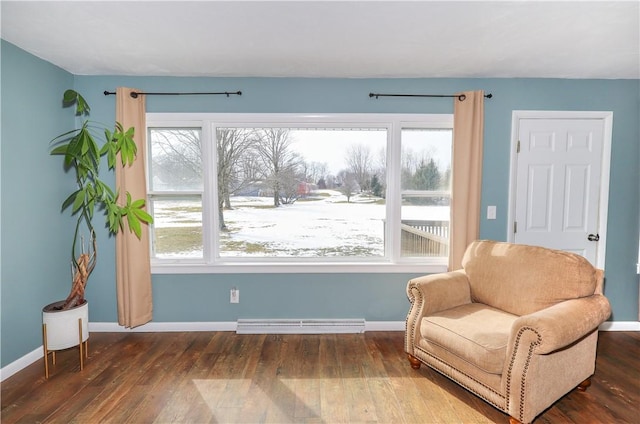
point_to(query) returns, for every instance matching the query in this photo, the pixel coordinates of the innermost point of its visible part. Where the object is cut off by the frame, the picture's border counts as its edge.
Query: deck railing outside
(424, 238)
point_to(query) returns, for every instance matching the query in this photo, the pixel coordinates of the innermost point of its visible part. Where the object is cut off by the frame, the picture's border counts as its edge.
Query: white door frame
(607, 118)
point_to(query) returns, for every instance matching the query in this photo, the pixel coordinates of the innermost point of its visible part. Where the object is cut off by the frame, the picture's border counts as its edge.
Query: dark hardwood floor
(222, 377)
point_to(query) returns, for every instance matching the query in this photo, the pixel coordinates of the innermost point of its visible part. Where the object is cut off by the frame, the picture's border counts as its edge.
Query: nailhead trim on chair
(412, 332)
(525, 368)
(425, 353)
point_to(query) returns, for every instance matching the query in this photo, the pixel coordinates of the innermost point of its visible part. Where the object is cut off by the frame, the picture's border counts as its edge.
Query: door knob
(593, 237)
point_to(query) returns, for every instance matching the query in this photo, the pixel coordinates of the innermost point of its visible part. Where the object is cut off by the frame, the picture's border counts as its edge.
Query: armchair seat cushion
(474, 332)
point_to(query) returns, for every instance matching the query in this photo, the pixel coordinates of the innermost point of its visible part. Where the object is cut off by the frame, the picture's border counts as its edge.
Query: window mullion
(210, 193)
(393, 189)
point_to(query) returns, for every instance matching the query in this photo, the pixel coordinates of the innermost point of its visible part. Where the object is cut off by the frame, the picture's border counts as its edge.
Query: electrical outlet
(234, 297)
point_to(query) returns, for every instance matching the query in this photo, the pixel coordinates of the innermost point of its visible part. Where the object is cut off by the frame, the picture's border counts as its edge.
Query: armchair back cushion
(521, 279)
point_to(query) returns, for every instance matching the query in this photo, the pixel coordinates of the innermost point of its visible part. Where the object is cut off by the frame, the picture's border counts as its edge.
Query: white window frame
(392, 262)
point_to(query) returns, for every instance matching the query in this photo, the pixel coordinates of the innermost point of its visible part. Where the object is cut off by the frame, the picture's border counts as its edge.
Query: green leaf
(69, 200)
(82, 106)
(64, 135)
(129, 133)
(91, 207)
(79, 201)
(70, 97)
(126, 144)
(99, 190)
(114, 215)
(74, 149)
(143, 216)
(107, 192)
(90, 189)
(95, 150)
(105, 147)
(134, 224)
(124, 152)
(85, 143)
(108, 135)
(60, 150)
(110, 149)
(138, 204)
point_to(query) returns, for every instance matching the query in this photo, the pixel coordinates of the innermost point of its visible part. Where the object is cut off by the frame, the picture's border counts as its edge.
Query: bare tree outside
(232, 144)
(409, 164)
(292, 182)
(314, 171)
(379, 171)
(359, 160)
(176, 158)
(278, 159)
(349, 185)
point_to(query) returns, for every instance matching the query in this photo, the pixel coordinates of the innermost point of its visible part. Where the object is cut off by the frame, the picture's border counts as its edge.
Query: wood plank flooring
(222, 377)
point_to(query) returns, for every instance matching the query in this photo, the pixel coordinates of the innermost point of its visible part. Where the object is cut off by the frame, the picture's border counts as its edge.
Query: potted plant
(82, 155)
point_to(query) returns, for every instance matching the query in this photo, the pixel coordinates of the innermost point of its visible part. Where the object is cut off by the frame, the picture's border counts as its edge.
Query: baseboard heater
(299, 326)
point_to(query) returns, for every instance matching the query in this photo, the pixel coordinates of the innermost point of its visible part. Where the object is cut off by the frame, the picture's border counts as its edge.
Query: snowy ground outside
(324, 225)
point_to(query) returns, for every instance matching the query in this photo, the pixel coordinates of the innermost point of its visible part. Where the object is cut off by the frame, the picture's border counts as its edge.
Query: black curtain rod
(135, 94)
(460, 97)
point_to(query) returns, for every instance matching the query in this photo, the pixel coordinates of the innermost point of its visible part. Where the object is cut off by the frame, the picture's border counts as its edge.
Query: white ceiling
(357, 39)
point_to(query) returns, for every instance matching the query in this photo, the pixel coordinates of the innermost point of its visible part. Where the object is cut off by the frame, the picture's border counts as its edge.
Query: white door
(560, 183)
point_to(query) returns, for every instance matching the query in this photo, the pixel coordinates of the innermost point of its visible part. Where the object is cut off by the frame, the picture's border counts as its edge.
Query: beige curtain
(133, 266)
(468, 127)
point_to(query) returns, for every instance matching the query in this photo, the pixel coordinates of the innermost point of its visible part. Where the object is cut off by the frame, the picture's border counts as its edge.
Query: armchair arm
(563, 323)
(547, 343)
(439, 292)
(433, 293)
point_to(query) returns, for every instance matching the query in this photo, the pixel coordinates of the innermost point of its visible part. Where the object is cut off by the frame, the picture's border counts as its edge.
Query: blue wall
(375, 296)
(191, 298)
(35, 236)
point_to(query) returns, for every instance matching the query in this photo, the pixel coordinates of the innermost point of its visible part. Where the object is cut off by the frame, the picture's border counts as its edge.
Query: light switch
(491, 212)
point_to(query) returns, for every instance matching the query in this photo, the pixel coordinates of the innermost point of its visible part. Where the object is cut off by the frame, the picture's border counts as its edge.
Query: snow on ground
(322, 225)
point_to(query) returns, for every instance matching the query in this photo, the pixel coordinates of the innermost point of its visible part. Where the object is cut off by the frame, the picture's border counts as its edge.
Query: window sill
(297, 268)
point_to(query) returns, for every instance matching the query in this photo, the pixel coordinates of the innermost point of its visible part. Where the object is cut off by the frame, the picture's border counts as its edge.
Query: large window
(335, 193)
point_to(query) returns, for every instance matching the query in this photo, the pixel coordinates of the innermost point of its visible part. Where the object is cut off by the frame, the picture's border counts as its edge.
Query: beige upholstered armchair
(517, 326)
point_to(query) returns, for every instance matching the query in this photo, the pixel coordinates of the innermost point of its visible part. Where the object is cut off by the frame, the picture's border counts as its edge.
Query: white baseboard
(21, 363)
(163, 327)
(384, 326)
(167, 327)
(620, 326)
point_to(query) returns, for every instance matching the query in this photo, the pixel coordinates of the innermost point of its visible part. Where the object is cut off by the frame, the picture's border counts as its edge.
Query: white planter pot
(62, 327)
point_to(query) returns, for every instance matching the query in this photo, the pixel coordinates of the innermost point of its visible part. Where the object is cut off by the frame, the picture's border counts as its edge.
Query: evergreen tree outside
(427, 176)
(376, 187)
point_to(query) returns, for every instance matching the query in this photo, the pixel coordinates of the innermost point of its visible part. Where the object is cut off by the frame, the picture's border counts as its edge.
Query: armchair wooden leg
(415, 362)
(583, 386)
(514, 421)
